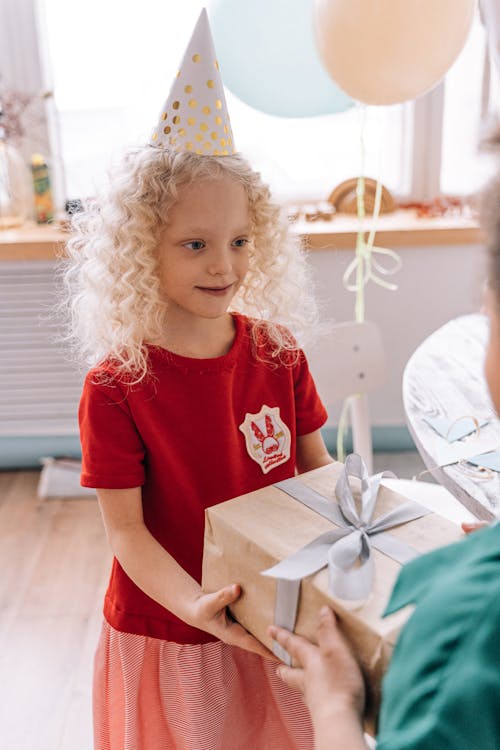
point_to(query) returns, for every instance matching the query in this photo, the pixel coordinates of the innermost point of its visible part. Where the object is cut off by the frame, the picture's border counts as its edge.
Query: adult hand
(327, 675)
(469, 526)
(209, 612)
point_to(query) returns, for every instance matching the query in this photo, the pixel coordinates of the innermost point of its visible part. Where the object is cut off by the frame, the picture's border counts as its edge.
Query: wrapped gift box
(249, 534)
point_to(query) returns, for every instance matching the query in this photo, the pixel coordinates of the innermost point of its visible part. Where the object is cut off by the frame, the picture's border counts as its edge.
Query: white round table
(444, 377)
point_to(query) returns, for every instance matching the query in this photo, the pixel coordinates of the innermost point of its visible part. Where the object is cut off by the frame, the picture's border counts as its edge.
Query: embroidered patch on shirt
(267, 438)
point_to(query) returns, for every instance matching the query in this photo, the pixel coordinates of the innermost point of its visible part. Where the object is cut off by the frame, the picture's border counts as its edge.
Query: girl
(190, 402)
(442, 689)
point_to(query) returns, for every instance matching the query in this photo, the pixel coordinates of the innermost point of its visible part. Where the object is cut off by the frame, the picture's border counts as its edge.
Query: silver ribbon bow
(345, 550)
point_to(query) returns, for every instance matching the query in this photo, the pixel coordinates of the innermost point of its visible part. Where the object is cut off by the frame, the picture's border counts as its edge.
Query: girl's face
(203, 250)
(492, 362)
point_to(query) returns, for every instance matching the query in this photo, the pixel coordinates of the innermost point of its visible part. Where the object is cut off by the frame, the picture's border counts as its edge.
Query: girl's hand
(209, 613)
(469, 527)
(327, 675)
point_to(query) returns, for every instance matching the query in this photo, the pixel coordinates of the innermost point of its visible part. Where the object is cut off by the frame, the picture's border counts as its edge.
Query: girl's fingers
(222, 626)
(217, 601)
(249, 643)
(236, 635)
(229, 594)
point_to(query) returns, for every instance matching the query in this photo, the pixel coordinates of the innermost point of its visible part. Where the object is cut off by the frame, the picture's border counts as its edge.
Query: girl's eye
(241, 242)
(195, 245)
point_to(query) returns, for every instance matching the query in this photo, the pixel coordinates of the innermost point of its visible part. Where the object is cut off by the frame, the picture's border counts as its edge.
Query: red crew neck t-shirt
(193, 433)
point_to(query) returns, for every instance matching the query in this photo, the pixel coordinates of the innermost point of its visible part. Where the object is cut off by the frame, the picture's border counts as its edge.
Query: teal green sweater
(442, 690)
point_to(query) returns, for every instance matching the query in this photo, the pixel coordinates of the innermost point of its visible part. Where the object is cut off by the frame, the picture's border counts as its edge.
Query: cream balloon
(390, 51)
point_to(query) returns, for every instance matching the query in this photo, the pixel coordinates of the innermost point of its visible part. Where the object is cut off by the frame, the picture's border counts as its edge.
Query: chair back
(349, 360)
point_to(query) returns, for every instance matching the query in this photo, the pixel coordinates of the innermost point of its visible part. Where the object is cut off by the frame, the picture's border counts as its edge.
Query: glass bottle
(14, 192)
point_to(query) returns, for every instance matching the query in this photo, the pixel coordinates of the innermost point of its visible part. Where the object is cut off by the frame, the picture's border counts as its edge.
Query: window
(463, 169)
(113, 64)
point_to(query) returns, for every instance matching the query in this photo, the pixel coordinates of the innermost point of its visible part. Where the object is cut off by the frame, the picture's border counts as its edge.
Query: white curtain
(22, 67)
(490, 15)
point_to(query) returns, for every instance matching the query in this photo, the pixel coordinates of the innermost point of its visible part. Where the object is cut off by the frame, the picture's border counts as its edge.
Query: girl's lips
(216, 290)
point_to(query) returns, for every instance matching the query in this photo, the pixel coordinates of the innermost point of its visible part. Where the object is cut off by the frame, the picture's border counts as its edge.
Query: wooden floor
(54, 564)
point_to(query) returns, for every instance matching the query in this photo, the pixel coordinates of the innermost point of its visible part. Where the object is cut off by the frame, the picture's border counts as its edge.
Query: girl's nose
(220, 261)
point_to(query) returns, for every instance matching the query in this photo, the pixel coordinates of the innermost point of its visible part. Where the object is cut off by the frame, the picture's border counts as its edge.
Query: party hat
(195, 117)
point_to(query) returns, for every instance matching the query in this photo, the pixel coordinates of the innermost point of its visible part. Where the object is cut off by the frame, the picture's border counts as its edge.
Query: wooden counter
(32, 242)
(400, 229)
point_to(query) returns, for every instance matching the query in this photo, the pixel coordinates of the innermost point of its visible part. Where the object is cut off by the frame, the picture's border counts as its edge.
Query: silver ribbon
(345, 550)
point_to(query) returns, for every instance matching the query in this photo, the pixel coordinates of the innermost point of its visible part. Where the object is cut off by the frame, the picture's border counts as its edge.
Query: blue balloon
(268, 58)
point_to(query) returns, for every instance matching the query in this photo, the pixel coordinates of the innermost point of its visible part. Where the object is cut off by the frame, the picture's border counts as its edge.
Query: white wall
(435, 285)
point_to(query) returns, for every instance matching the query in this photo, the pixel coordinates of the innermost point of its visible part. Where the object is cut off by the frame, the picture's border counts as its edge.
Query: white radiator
(39, 386)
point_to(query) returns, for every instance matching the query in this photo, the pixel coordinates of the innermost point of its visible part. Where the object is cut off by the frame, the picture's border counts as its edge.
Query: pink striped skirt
(151, 694)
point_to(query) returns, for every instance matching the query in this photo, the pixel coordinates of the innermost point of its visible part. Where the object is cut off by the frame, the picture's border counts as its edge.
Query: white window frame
(426, 145)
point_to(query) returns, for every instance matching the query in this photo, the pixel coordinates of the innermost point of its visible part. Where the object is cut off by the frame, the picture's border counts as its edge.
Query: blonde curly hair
(111, 272)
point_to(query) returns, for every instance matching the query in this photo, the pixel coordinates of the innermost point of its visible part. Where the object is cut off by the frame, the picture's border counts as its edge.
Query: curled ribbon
(363, 267)
(366, 261)
(345, 550)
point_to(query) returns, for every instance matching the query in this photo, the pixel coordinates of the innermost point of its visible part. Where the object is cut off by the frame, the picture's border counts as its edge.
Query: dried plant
(16, 115)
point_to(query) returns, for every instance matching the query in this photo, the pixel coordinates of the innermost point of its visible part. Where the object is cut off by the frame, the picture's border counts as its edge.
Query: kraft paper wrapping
(249, 534)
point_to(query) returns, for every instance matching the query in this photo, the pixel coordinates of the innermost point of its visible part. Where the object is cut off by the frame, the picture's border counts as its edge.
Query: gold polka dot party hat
(195, 117)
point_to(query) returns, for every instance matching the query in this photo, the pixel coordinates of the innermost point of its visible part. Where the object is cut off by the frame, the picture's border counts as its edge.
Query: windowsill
(400, 229)
(32, 242)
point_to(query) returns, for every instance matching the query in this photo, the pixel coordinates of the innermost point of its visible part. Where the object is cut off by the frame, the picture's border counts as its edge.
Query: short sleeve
(464, 712)
(442, 688)
(310, 411)
(112, 449)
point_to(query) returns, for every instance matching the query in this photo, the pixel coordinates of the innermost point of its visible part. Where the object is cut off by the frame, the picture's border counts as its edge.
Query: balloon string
(341, 429)
(358, 266)
(359, 307)
(365, 262)
(368, 255)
